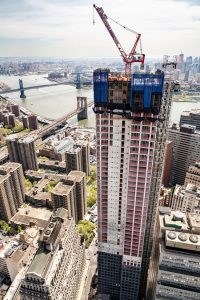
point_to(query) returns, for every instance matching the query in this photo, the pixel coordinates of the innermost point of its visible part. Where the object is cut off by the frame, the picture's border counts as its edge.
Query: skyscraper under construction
(132, 115)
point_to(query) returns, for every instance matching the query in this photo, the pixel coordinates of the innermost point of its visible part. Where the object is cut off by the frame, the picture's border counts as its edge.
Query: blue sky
(64, 27)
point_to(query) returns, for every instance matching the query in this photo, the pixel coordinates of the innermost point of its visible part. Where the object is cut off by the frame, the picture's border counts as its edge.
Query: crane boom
(133, 56)
(104, 18)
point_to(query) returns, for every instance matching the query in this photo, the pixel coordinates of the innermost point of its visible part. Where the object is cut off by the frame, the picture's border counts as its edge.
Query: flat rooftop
(180, 240)
(79, 175)
(173, 220)
(62, 189)
(29, 214)
(191, 112)
(194, 221)
(9, 166)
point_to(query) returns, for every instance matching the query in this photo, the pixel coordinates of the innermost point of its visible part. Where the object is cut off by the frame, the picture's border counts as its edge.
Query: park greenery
(29, 184)
(91, 188)
(9, 229)
(4, 226)
(49, 187)
(86, 229)
(18, 128)
(43, 158)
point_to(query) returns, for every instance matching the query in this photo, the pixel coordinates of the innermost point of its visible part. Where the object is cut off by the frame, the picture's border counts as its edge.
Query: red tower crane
(133, 56)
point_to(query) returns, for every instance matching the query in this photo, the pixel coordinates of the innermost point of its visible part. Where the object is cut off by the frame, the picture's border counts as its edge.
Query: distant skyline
(64, 28)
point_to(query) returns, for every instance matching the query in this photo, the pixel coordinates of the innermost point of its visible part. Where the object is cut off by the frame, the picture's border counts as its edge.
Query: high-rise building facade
(30, 122)
(167, 163)
(23, 151)
(191, 117)
(57, 268)
(186, 151)
(78, 158)
(12, 189)
(178, 257)
(73, 159)
(85, 147)
(132, 115)
(79, 179)
(62, 195)
(70, 193)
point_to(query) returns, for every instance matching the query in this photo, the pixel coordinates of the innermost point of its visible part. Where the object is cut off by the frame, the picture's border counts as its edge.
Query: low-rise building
(29, 216)
(16, 254)
(186, 199)
(193, 175)
(165, 196)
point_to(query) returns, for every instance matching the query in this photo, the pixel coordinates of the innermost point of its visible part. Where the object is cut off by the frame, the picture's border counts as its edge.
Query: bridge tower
(82, 105)
(78, 81)
(22, 95)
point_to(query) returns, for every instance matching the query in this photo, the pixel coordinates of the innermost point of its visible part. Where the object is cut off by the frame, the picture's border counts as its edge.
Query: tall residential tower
(132, 114)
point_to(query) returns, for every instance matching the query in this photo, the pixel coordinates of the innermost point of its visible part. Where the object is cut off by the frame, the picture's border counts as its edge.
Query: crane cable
(129, 29)
(124, 27)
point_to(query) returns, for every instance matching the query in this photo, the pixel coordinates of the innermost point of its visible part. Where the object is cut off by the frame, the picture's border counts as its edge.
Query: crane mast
(133, 56)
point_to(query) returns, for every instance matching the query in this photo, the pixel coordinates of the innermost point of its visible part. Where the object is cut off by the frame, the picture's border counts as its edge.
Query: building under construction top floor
(137, 93)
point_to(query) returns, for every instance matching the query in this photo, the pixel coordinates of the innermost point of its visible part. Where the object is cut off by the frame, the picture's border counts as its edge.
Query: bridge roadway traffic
(37, 134)
(37, 87)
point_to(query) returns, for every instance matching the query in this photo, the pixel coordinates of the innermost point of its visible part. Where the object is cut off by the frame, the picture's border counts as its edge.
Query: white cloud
(166, 26)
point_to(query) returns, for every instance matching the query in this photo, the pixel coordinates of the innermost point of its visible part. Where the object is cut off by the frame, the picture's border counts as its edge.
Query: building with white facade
(193, 175)
(186, 199)
(56, 270)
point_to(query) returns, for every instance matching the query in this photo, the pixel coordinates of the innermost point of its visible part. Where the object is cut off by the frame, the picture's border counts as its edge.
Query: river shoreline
(54, 101)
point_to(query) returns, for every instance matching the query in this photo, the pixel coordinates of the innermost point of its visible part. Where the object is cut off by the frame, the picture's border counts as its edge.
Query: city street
(90, 270)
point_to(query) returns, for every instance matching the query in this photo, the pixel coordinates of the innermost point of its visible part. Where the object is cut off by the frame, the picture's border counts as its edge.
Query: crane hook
(93, 16)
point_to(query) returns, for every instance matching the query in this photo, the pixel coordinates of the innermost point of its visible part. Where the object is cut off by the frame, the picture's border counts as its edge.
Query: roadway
(41, 132)
(37, 87)
(45, 85)
(89, 272)
(38, 134)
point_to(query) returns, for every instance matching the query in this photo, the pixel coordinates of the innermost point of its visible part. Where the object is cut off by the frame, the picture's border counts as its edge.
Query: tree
(49, 187)
(91, 195)
(19, 229)
(86, 229)
(6, 228)
(28, 184)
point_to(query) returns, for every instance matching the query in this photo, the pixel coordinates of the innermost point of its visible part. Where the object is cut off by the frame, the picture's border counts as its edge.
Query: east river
(55, 101)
